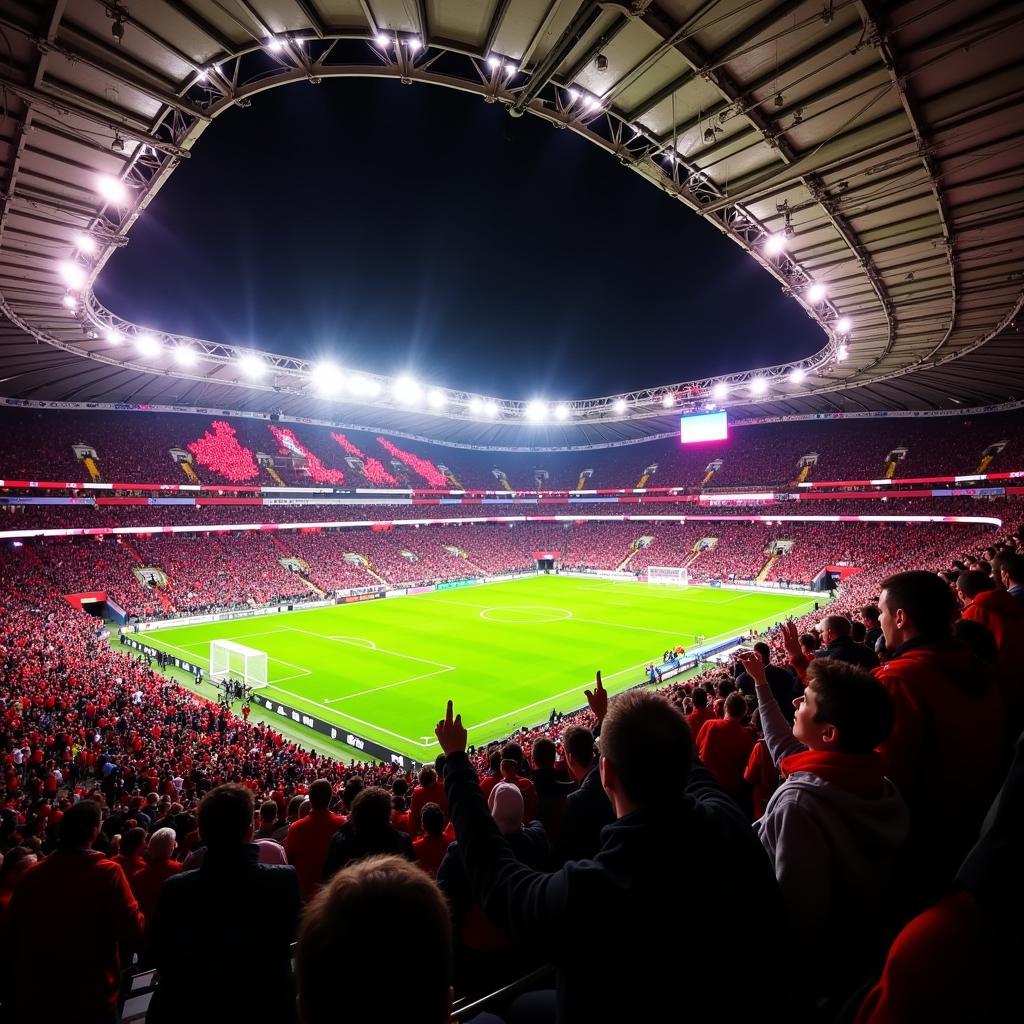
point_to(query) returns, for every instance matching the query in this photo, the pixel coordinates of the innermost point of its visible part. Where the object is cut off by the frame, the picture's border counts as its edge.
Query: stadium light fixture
(490, 408)
(561, 411)
(113, 337)
(414, 44)
(437, 399)
(184, 355)
(592, 103)
(510, 69)
(85, 243)
(775, 244)
(252, 366)
(842, 353)
(620, 406)
(111, 189)
(843, 325)
(147, 346)
(797, 375)
(406, 390)
(73, 274)
(275, 45)
(719, 391)
(70, 301)
(382, 39)
(327, 378)
(536, 411)
(668, 401)
(816, 292)
(475, 407)
(758, 386)
(494, 62)
(573, 94)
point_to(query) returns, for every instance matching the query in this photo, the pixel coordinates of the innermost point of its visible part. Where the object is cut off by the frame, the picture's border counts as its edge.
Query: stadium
(584, 574)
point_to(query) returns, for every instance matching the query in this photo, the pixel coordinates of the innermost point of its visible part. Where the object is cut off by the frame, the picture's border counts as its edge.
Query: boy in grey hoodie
(833, 827)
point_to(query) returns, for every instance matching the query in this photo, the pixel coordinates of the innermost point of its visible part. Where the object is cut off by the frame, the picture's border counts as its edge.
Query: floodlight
(184, 355)
(720, 391)
(202, 74)
(816, 292)
(371, 387)
(475, 407)
(842, 353)
(494, 62)
(573, 94)
(327, 378)
(620, 406)
(70, 301)
(758, 386)
(405, 389)
(413, 44)
(148, 347)
(511, 69)
(275, 45)
(536, 410)
(797, 375)
(668, 401)
(561, 411)
(72, 273)
(437, 399)
(843, 325)
(85, 243)
(251, 365)
(592, 103)
(490, 408)
(382, 39)
(774, 244)
(111, 189)
(113, 337)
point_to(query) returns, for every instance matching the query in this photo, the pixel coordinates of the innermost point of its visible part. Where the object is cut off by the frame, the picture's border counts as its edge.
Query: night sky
(418, 229)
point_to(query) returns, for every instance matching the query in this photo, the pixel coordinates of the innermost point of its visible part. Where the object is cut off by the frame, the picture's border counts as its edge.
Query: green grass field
(506, 653)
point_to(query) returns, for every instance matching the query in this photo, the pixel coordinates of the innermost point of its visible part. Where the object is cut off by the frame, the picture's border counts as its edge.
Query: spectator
(149, 879)
(16, 862)
(552, 785)
(130, 857)
(429, 791)
(269, 825)
(833, 827)
(701, 713)
(1009, 569)
(429, 849)
(724, 745)
(673, 820)
(367, 906)
(367, 832)
(79, 885)
(512, 769)
(588, 810)
(946, 749)
(873, 630)
(837, 643)
(782, 683)
(400, 805)
(213, 926)
(307, 841)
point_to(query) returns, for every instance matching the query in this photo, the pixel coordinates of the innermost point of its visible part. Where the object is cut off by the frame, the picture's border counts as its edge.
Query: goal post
(673, 574)
(229, 660)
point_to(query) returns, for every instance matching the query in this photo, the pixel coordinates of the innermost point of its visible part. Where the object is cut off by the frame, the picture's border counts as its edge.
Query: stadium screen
(706, 426)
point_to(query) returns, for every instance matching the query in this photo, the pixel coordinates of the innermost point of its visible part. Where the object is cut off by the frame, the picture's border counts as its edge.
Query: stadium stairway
(92, 468)
(766, 568)
(277, 542)
(803, 474)
(983, 465)
(274, 475)
(312, 586)
(133, 551)
(162, 597)
(187, 469)
(621, 567)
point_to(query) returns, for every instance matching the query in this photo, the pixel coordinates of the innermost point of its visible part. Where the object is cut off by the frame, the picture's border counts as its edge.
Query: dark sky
(419, 229)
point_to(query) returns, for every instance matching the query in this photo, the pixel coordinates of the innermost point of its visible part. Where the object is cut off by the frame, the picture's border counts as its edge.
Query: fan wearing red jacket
(724, 745)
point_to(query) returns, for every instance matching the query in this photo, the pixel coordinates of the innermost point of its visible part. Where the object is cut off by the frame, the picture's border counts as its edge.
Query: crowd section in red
(137, 446)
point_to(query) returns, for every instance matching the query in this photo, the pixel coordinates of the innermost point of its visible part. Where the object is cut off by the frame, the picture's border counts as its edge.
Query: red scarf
(860, 774)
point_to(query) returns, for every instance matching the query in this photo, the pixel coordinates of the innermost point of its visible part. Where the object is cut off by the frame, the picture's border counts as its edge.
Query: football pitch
(507, 653)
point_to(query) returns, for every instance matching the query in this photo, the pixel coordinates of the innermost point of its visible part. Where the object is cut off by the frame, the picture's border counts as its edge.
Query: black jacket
(217, 929)
(781, 682)
(348, 846)
(845, 649)
(630, 930)
(586, 813)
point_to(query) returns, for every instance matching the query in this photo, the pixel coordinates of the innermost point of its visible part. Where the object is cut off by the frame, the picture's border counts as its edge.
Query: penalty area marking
(534, 614)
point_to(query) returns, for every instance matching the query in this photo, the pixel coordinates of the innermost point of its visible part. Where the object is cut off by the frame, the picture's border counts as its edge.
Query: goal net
(668, 574)
(229, 660)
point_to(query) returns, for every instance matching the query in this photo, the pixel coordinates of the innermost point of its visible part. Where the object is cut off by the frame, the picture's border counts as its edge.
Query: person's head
(427, 776)
(764, 651)
(869, 616)
(646, 749)
(295, 807)
(432, 819)
(133, 842)
(1008, 568)
(16, 863)
(725, 686)
(543, 753)
(268, 813)
(578, 744)
(513, 752)
(735, 707)
(399, 787)
(844, 709)
(915, 605)
(161, 845)
(371, 810)
(353, 787)
(505, 802)
(320, 793)
(700, 698)
(365, 906)
(226, 817)
(970, 584)
(979, 638)
(809, 643)
(858, 631)
(834, 627)
(80, 825)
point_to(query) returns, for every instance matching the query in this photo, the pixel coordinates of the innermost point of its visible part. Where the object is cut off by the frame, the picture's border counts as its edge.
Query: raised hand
(791, 641)
(451, 733)
(752, 662)
(598, 698)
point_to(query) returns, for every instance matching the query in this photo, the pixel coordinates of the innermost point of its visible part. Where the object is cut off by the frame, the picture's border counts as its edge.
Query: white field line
(387, 686)
(378, 650)
(206, 643)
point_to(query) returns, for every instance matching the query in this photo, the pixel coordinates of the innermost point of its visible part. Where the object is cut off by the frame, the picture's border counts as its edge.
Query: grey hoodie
(833, 850)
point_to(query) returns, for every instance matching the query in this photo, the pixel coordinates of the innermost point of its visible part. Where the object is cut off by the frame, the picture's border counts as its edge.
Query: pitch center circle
(531, 613)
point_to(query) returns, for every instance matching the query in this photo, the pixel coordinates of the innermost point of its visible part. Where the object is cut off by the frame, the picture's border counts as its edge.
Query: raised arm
(777, 733)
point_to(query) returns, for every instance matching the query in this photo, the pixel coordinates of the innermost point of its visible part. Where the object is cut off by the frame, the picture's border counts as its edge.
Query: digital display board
(705, 426)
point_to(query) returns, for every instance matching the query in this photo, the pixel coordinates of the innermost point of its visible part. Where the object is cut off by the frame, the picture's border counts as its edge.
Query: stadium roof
(870, 148)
